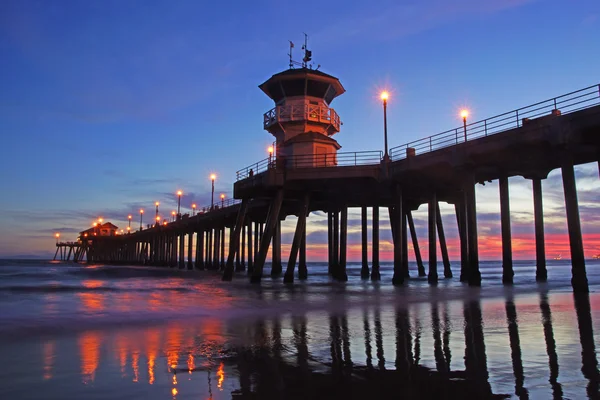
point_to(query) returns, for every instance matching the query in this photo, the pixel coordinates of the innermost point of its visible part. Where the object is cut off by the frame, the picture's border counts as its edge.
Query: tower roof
(302, 82)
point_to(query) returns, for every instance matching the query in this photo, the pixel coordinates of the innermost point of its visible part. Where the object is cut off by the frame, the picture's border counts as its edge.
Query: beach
(71, 331)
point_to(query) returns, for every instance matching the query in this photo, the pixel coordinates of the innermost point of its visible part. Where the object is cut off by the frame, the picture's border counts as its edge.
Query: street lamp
(193, 209)
(179, 193)
(464, 113)
(157, 220)
(222, 200)
(141, 215)
(212, 195)
(157, 204)
(270, 150)
(129, 218)
(128, 230)
(384, 97)
(57, 235)
(100, 220)
(173, 215)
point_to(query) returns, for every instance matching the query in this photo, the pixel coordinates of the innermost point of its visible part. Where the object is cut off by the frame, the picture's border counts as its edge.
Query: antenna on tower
(290, 54)
(307, 53)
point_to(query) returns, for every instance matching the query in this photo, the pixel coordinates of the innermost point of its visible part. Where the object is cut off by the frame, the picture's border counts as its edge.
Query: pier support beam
(234, 242)
(397, 217)
(336, 243)
(474, 274)
(461, 220)
(181, 250)
(507, 264)
(404, 245)
(272, 219)
(432, 277)
(364, 271)
(200, 249)
(375, 274)
(209, 247)
(442, 238)
(302, 268)
(541, 274)
(415, 241)
(341, 274)
(329, 242)
(276, 267)
(190, 261)
(222, 260)
(242, 264)
(297, 241)
(579, 277)
(216, 247)
(250, 249)
(257, 229)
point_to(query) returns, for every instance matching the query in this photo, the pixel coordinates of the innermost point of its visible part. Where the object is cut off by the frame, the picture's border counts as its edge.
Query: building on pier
(105, 229)
(302, 120)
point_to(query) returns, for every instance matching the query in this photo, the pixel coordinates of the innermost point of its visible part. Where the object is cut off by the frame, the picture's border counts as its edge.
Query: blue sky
(108, 106)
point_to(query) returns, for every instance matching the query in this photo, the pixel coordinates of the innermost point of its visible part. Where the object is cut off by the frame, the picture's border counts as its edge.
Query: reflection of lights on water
(89, 347)
(48, 359)
(174, 391)
(123, 360)
(221, 375)
(191, 365)
(174, 379)
(135, 359)
(151, 358)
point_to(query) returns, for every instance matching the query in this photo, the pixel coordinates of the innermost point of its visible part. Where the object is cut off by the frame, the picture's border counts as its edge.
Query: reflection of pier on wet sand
(426, 351)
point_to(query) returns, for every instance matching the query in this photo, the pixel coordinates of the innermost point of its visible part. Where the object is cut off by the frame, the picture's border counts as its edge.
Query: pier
(306, 173)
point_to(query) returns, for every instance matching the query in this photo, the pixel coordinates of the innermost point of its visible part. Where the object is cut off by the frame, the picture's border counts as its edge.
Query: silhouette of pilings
(589, 360)
(515, 349)
(475, 357)
(291, 376)
(557, 391)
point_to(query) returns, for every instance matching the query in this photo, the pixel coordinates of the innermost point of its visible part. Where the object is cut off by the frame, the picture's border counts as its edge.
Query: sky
(109, 106)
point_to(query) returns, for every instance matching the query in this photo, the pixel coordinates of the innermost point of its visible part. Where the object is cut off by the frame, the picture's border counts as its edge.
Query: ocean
(70, 331)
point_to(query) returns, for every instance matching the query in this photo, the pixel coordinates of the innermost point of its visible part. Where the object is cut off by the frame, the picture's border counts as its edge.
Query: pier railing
(567, 103)
(302, 112)
(312, 161)
(218, 205)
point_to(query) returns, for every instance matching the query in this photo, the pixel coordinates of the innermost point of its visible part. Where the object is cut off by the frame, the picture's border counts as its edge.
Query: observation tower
(302, 120)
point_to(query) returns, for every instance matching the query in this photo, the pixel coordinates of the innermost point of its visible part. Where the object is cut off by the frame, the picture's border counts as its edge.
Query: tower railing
(302, 112)
(349, 159)
(567, 103)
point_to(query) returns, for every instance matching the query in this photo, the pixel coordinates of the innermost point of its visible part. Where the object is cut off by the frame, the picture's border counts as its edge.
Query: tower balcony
(303, 112)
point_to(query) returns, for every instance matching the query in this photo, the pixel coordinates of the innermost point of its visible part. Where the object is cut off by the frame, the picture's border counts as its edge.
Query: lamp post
(193, 209)
(141, 215)
(173, 215)
(212, 195)
(100, 221)
(179, 193)
(270, 150)
(464, 114)
(157, 204)
(128, 229)
(57, 235)
(384, 97)
(129, 218)
(157, 220)
(222, 200)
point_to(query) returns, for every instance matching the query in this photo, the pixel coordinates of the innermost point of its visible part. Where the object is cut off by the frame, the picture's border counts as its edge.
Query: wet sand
(361, 340)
